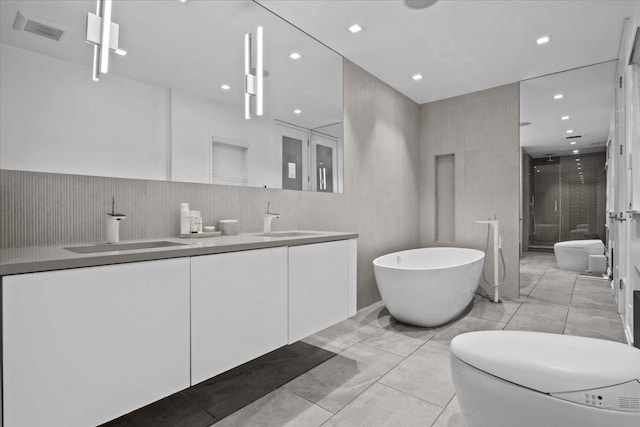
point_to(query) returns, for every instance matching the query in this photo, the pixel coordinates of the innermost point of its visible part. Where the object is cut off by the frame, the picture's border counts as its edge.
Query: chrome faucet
(267, 218)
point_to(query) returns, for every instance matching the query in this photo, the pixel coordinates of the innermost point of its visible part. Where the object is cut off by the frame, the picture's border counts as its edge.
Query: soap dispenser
(113, 223)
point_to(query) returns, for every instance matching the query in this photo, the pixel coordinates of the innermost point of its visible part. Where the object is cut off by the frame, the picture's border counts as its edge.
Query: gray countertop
(47, 258)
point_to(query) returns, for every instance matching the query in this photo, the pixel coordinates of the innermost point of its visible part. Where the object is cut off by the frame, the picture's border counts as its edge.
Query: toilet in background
(573, 255)
(534, 379)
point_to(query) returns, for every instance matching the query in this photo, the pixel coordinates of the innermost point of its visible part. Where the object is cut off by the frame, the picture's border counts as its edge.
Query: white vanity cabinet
(84, 346)
(321, 286)
(238, 308)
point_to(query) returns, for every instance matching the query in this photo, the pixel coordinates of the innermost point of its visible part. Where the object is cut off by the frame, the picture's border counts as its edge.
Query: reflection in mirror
(173, 107)
(563, 140)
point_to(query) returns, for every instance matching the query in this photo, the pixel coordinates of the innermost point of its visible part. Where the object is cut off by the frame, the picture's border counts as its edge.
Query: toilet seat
(549, 363)
(534, 379)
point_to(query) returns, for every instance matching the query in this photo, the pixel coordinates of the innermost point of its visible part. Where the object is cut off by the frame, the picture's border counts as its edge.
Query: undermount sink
(107, 247)
(286, 234)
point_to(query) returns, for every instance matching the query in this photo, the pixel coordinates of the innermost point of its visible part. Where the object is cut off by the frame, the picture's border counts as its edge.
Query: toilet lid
(549, 363)
(580, 243)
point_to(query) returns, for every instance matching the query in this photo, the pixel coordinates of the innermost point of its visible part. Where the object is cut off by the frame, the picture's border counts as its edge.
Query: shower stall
(566, 199)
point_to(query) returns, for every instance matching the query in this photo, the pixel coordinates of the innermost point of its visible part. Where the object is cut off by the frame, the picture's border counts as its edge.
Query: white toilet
(573, 255)
(534, 379)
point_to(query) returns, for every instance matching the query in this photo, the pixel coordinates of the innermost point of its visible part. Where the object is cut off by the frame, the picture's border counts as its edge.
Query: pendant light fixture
(253, 83)
(103, 34)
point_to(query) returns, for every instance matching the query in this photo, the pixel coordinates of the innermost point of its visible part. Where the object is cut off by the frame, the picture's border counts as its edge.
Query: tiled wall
(482, 130)
(380, 200)
(583, 203)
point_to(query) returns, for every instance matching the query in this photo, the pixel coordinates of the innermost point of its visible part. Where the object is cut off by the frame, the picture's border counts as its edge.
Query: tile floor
(371, 370)
(390, 374)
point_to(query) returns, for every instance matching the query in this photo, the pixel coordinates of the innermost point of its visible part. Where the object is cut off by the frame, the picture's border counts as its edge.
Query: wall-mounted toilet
(534, 379)
(573, 255)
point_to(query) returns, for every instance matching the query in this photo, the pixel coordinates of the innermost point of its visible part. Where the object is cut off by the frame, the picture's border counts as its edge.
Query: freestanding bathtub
(430, 286)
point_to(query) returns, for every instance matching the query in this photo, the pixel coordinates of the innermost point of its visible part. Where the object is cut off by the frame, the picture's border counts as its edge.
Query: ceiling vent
(41, 27)
(574, 137)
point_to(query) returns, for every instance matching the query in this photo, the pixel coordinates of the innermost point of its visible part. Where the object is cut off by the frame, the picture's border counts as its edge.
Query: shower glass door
(545, 204)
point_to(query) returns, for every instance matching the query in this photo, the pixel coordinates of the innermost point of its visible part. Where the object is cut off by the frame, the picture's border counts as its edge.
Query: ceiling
(587, 100)
(462, 46)
(195, 47)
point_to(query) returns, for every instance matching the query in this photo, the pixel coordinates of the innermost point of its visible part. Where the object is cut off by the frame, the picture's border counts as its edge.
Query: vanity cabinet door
(238, 309)
(84, 346)
(318, 287)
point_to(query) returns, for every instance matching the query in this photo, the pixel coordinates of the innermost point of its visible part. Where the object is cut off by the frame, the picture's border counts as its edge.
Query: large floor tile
(342, 378)
(393, 342)
(342, 335)
(557, 274)
(175, 410)
(539, 317)
(590, 322)
(488, 310)
(376, 314)
(383, 406)
(537, 269)
(279, 408)
(234, 389)
(425, 374)
(451, 416)
(466, 324)
(593, 293)
(554, 292)
(528, 281)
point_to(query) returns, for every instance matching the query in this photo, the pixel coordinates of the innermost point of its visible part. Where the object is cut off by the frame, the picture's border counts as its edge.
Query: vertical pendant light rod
(253, 83)
(247, 76)
(259, 74)
(105, 36)
(96, 48)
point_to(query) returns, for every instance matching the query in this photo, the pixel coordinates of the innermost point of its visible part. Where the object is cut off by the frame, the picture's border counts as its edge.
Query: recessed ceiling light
(577, 160)
(297, 111)
(538, 170)
(543, 40)
(295, 55)
(564, 118)
(558, 96)
(579, 168)
(355, 28)
(572, 143)
(578, 164)
(183, 1)
(417, 77)
(225, 87)
(570, 131)
(576, 151)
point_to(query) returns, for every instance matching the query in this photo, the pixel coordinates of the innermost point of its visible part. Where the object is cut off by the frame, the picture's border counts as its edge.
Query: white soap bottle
(185, 218)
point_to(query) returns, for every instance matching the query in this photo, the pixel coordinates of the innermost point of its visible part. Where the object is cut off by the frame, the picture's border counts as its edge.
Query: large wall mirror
(565, 123)
(173, 107)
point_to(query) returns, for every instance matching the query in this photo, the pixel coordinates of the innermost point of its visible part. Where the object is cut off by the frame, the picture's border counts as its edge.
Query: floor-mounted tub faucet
(267, 218)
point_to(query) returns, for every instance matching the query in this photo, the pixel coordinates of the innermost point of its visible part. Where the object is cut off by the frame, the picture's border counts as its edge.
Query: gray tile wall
(380, 200)
(583, 203)
(482, 130)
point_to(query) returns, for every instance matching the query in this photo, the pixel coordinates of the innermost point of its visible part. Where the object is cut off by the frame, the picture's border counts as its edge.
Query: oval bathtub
(429, 286)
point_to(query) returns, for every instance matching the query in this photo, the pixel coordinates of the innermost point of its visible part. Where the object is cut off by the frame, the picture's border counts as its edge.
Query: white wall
(195, 119)
(55, 118)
